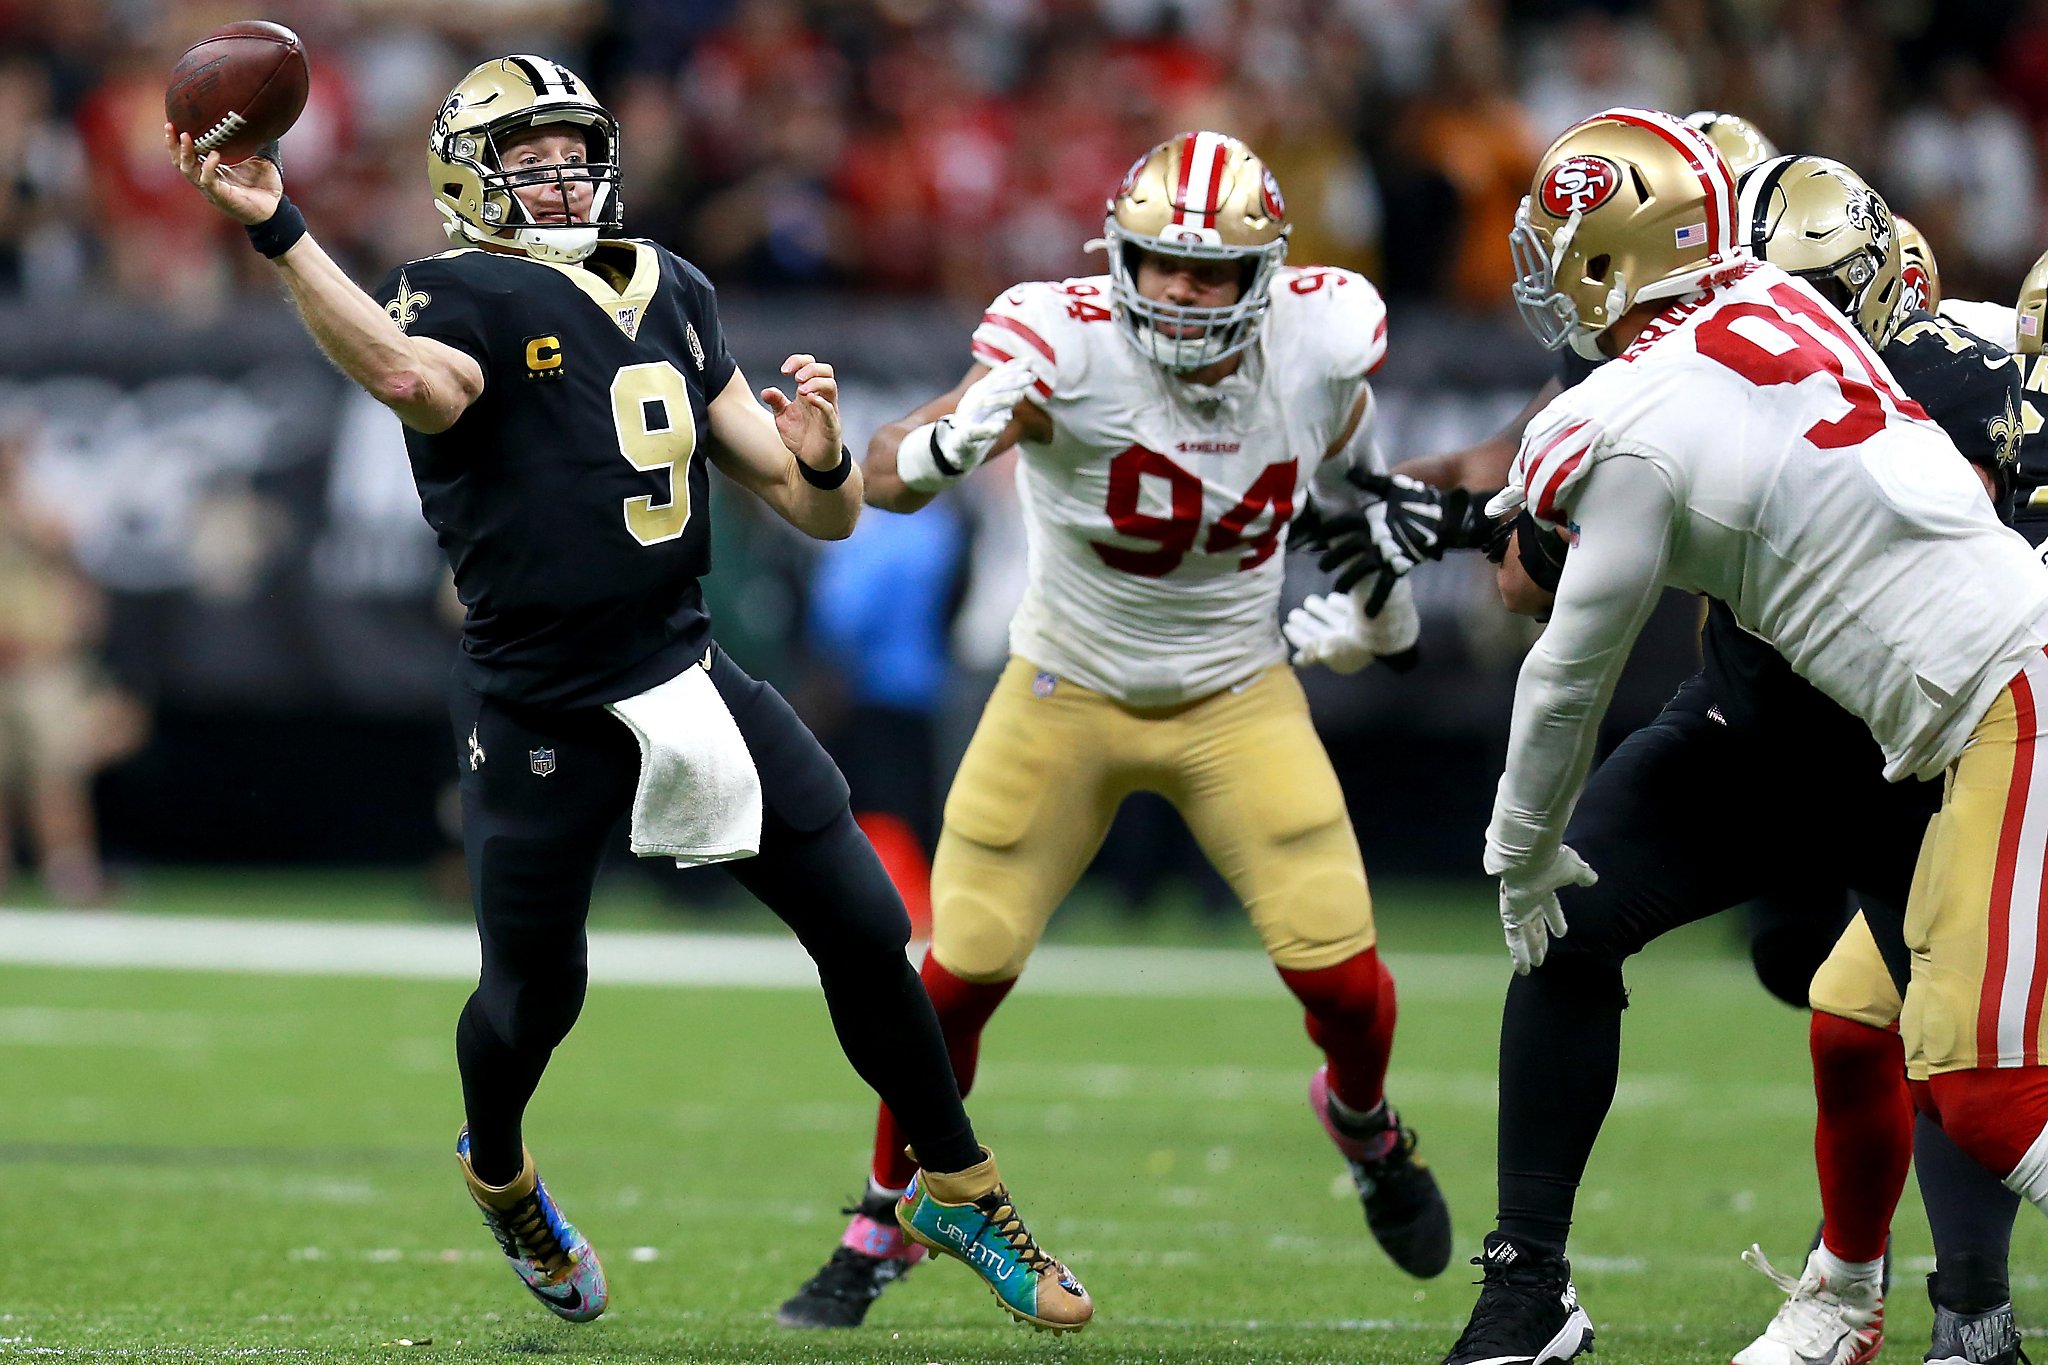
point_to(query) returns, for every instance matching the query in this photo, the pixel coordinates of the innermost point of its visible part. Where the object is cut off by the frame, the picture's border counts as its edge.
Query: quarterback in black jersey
(565, 391)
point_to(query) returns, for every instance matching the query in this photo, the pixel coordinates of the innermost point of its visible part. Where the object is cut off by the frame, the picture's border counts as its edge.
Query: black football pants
(538, 808)
(1687, 818)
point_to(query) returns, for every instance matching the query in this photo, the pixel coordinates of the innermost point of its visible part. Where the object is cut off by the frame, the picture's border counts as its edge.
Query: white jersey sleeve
(1997, 323)
(1343, 321)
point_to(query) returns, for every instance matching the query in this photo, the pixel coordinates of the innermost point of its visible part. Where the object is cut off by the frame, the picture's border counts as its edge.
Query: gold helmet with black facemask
(473, 189)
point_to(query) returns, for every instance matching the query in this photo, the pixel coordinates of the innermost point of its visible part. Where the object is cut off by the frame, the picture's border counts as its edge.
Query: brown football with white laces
(238, 88)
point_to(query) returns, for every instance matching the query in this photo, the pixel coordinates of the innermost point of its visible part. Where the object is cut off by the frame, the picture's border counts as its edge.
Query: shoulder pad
(1033, 324)
(1340, 314)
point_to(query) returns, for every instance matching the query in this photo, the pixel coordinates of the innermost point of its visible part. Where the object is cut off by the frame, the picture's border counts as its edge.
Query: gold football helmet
(1817, 219)
(473, 190)
(2032, 309)
(1627, 206)
(1738, 140)
(1916, 267)
(1204, 196)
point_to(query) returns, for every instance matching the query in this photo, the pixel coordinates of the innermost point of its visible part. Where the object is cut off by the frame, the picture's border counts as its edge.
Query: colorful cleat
(555, 1262)
(1821, 1322)
(968, 1215)
(1403, 1206)
(873, 1254)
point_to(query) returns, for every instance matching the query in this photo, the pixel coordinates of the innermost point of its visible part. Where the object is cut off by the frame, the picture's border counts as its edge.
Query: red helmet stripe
(1187, 165)
(1706, 163)
(1212, 200)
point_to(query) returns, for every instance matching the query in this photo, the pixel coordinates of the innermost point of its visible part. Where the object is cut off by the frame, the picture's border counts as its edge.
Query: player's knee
(1321, 918)
(528, 1016)
(975, 942)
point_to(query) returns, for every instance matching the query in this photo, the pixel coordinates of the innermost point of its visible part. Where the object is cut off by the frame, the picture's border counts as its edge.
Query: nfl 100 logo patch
(542, 761)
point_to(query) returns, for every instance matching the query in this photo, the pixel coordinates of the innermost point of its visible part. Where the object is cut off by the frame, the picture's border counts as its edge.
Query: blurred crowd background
(251, 622)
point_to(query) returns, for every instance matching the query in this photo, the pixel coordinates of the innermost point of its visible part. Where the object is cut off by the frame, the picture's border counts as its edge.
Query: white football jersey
(1157, 514)
(1997, 323)
(1817, 501)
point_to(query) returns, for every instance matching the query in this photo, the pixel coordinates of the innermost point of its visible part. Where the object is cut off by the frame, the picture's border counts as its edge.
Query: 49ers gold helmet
(472, 188)
(1817, 219)
(1628, 206)
(1202, 196)
(1917, 267)
(1740, 142)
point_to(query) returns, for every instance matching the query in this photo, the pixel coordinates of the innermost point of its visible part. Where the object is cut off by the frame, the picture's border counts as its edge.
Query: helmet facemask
(1549, 312)
(1179, 337)
(474, 191)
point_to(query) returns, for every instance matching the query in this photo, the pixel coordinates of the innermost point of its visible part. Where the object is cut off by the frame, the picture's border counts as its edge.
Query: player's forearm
(354, 332)
(884, 486)
(1485, 464)
(820, 513)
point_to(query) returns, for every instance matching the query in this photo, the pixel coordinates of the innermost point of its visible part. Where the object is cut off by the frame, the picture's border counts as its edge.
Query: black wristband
(280, 232)
(944, 465)
(828, 479)
(1541, 550)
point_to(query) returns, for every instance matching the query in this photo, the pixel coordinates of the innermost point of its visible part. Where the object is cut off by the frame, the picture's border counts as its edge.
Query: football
(238, 88)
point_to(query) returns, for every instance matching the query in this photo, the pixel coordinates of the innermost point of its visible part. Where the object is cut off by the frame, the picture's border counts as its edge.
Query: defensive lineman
(1845, 534)
(560, 387)
(1172, 414)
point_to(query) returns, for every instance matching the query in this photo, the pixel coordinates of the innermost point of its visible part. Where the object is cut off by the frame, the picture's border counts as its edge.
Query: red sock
(963, 1008)
(1350, 1009)
(1863, 1134)
(1993, 1113)
(904, 859)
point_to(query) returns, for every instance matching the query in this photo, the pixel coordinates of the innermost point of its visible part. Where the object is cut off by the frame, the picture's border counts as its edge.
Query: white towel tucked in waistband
(699, 799)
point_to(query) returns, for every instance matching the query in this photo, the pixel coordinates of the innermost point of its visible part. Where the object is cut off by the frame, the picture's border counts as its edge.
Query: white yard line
(294, 947)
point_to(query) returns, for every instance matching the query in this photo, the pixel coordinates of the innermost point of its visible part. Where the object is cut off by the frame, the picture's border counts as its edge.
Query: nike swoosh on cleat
(570, 1297)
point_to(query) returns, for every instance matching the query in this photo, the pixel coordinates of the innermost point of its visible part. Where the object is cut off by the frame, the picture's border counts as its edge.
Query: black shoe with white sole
(1527, 1314)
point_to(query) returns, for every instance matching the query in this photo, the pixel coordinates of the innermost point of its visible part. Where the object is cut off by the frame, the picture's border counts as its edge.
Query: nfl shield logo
(1043, 685)
(542, 761)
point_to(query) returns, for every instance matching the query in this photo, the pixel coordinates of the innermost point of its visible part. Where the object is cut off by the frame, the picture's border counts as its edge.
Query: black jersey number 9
(657, 432)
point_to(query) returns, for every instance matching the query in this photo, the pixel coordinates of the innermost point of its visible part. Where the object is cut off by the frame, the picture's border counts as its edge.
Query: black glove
(1425, 521)
(1541, 550)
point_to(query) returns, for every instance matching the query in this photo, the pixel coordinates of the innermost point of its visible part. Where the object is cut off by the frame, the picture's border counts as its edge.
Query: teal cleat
(555, 1262)
(968, 1215)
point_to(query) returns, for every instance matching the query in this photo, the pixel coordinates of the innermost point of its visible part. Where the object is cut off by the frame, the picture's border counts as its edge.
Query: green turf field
(209, 1166)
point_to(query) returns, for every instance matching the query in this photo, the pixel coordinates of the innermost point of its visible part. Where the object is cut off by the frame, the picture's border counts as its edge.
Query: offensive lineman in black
(558, 384)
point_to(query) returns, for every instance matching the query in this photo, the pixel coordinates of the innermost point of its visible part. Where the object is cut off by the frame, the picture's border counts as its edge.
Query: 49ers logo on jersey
(1579, 184)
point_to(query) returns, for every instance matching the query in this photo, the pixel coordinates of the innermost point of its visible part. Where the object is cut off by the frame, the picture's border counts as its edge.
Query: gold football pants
(1051, 762)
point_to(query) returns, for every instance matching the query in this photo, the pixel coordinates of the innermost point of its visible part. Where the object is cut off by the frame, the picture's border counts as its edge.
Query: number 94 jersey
(1155, 514)
(571, 497)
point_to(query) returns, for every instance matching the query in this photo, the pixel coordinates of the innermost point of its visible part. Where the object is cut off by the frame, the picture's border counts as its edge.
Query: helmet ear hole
(1596, 268)
(1643, 192)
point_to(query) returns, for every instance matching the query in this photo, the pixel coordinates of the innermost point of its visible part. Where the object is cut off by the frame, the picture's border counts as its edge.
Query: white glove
(937, 453)
(1398, 625)
(1529, 912)
(1331, 631)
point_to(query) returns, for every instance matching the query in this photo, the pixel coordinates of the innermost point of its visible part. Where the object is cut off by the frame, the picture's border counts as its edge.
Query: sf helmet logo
(1269, 197)
(1579, 184)
(1914, 277)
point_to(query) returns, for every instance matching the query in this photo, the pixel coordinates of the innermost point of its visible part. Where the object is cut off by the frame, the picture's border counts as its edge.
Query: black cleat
(872, 1255)
(1987, 1337)
(1403, 1206)
(1527, 1314)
